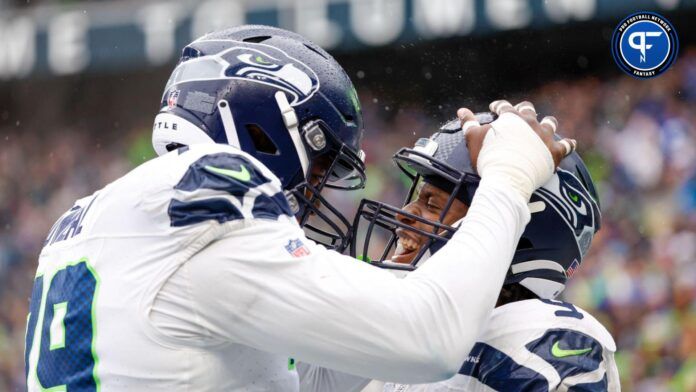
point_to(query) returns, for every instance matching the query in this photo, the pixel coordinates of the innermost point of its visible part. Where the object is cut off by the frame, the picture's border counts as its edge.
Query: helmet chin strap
(292, 124)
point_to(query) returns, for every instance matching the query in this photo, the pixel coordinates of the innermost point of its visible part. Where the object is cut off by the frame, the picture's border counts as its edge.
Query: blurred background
(80, 83)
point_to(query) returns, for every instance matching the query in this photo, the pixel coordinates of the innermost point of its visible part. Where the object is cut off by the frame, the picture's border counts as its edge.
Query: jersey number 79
(59, 349)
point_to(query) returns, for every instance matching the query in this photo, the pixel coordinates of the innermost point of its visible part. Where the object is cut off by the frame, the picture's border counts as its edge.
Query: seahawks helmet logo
(257, 63)
(566, 194)
(272, 66)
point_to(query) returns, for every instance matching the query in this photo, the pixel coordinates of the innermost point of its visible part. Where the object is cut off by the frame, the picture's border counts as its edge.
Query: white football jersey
(189, 273)
(106, 260)
(535, 345)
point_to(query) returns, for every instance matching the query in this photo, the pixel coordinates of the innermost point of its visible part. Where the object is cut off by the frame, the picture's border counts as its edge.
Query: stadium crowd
(638, 138)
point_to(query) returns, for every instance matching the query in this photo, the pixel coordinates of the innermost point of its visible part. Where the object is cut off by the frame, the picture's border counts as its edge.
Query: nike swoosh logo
(241, 174)
(558, 352)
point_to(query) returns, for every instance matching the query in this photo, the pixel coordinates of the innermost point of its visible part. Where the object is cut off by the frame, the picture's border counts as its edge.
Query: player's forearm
(424, 326)
(465, 276)
(323, 307)
(335, 312)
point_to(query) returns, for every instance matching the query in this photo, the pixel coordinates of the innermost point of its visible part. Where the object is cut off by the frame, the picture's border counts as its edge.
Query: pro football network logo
(297, 248)
(644, 45)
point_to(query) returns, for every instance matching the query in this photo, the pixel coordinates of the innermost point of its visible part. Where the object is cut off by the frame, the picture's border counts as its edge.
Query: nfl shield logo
(571, 270)
(296, 248)
(173, 99)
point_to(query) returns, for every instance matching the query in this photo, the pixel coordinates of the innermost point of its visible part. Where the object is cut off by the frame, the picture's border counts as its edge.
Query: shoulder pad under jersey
(223, 183)
(529, 345)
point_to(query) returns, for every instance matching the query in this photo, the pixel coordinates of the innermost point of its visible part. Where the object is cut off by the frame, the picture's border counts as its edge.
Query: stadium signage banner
(120, 35)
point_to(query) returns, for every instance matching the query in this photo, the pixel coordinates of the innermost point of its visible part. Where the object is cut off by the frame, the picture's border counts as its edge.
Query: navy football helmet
(565, 213)
(282, 99)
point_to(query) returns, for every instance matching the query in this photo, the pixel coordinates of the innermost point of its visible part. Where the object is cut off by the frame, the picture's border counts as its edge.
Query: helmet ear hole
(262, 142)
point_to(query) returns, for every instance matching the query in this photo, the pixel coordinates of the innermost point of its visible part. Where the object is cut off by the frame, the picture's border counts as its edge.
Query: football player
(192, 272)
(532, 342)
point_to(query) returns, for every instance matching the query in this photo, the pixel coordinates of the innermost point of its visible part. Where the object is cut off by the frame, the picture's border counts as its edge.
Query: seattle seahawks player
(191, 272)
(531, 342)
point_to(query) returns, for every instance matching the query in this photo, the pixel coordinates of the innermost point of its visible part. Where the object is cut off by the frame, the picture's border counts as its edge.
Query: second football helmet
(565, 213)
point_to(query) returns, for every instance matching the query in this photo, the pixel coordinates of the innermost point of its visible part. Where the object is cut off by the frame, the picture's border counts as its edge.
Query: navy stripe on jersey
(500, 372)
(570, 352)
(201, 174)
(232, 175)
(599, 386)
(183, 213)
(271, 207)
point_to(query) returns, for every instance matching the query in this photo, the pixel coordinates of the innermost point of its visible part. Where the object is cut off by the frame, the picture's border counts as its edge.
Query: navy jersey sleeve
(573, 355)
(224, 187)
(576, 357)
(499, 371)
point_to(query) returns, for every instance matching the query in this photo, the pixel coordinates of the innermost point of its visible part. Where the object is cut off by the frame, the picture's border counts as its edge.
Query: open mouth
(406, 249)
